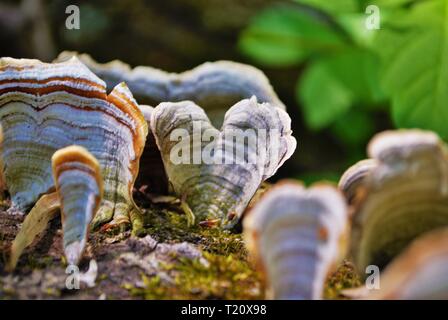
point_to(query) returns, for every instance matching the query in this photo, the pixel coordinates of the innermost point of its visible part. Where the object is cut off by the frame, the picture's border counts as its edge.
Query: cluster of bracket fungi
(68, 146)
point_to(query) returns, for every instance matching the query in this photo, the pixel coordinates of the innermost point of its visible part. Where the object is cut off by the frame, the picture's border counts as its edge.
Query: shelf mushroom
(297, 236)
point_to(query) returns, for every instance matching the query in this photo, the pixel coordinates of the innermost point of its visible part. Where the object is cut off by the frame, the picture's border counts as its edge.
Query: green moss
(226, 277)
(35, 261)
(52, 292)
(170, 225)
(345, 277)
(230, 274)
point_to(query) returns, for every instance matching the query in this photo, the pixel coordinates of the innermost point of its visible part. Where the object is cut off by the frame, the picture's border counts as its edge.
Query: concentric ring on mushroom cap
(354, 177)
(222, 187)
(215, 86)
(401, 141)
(404, 196)
(80, 188)
(45, 107)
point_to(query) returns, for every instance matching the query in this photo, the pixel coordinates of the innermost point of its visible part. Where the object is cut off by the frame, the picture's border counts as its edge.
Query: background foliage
(340, 81)
(351, 74)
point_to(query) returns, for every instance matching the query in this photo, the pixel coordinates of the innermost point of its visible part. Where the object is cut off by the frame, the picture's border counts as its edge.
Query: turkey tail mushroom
(213, 85)
(78, 194)
(79, 186)
(216, 173)
(296, 236)
(46, 107)
(353, 179)
(403, 196)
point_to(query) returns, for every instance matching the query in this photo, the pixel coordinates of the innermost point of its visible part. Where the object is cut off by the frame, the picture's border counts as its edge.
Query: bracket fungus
(212, 85)
(296, 236)
(211, 191)
(79, 188)
(70, 146)
(403, 195)
(46, 107)
(216, 172)
(79, 185)
(354, 177)
(215, 86)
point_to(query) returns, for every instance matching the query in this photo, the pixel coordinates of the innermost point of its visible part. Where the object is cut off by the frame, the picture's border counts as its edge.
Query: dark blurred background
(174, 35)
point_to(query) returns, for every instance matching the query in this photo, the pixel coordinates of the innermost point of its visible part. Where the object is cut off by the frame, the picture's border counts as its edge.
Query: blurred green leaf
(330, 87)
(332, 6)
(324, 98)
(358, 70)
(354, 25)
(415, 73)
(385, 3)
(354, 128)
(283, 35)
